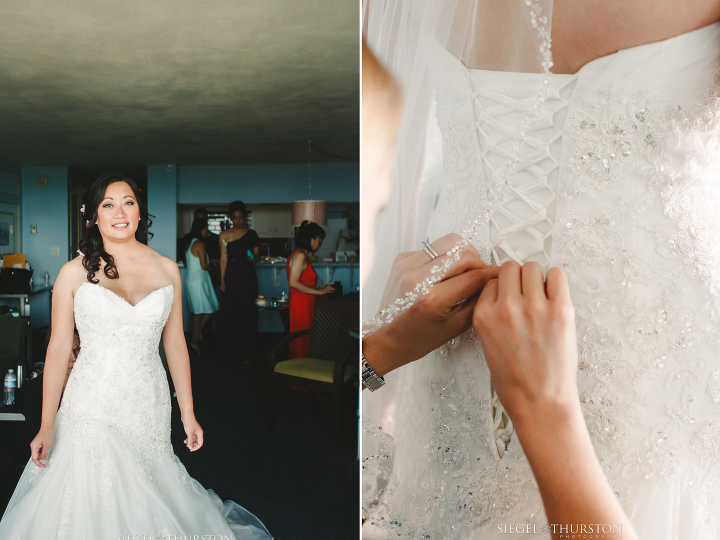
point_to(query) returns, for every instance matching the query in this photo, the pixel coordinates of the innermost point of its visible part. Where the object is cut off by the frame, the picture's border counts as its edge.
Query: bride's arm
(178, 361)
(57, 358)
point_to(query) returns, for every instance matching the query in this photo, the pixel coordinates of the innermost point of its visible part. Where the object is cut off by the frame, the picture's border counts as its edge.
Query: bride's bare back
(583, 30)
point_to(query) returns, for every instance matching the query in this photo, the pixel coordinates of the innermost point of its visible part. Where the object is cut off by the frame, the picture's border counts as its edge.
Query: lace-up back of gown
(111, 470)
(618, 184)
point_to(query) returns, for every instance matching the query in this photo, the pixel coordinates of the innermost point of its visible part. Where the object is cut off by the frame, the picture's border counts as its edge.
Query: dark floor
(293, 478)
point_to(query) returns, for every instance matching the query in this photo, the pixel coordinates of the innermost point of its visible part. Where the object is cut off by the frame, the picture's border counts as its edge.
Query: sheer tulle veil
(414, 40)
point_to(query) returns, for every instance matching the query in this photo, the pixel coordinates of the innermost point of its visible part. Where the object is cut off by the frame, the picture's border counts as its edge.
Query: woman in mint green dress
(200, 294)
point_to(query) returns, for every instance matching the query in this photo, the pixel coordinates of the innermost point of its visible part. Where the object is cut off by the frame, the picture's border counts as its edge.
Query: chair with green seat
(332, 363)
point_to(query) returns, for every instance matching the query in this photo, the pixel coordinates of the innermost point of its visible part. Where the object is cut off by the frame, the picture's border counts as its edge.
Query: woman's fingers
(533, 284)
(445, 243)
(461, 287)
(489, 294)
(469, 260)
(194, 440)
(556, 285)
(509, 281)
(39, 456)
(412, 267)
(461, 318)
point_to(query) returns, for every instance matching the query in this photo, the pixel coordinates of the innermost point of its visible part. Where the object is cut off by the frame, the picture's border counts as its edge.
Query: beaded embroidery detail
(649, 382)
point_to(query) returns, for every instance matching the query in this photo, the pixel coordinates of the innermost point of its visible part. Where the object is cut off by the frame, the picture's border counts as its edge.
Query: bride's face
(118, 215)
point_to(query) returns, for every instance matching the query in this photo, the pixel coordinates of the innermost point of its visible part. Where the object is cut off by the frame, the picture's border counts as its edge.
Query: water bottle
(10, 385)
(47, 279)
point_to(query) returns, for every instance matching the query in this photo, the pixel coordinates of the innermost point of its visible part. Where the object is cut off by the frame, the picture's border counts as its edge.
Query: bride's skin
(583, 30)
(141, 270)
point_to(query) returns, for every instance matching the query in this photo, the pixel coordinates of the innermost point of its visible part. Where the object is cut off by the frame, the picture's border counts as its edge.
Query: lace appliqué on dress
(674, 151)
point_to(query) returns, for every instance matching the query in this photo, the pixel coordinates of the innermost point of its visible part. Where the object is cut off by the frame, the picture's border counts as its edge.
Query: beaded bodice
(616, 184)
(118, 382)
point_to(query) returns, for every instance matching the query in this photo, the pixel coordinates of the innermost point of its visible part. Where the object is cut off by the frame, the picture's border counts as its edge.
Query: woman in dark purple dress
(239, 251)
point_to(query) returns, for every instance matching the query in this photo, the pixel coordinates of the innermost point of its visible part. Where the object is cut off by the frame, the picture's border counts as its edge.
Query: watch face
(42, 180)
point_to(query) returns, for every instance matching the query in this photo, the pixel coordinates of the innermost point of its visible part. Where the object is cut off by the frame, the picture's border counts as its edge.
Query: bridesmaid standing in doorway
(239, 251)
(302, 280)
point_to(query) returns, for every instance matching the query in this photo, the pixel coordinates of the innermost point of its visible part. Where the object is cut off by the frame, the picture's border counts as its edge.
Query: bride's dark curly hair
(91, 245)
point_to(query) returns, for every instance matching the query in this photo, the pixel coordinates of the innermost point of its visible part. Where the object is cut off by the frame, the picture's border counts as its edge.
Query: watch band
(371, 380)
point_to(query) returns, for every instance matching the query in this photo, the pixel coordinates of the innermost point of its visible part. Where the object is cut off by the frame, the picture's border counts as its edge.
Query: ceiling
(200, 82)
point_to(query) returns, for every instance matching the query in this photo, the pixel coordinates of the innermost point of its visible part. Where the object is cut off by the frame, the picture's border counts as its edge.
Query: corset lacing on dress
(522, 225)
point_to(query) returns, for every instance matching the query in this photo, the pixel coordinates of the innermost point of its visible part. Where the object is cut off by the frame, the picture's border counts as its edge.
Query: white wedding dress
(111, 470)
(621, 189)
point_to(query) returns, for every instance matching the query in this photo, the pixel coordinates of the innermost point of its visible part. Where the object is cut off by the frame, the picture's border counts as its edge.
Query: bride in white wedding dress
(612, 177)
(103, 465)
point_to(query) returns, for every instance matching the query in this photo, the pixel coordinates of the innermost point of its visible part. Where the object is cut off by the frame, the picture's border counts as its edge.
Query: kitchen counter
(274, 263)
(272, 281)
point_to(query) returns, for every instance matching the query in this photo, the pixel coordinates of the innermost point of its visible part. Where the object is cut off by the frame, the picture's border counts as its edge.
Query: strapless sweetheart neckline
(148, 295)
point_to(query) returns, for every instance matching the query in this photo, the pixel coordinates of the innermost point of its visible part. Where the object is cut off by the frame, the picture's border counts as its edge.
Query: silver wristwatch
(370, 379)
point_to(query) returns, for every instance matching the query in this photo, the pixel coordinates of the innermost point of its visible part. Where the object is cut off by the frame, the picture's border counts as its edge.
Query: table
(13, 412)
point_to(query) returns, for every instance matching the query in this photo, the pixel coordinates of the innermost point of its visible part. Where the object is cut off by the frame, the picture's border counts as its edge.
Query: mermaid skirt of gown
(111, 471)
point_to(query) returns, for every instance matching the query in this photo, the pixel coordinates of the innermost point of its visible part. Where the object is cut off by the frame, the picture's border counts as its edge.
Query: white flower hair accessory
(82, 209)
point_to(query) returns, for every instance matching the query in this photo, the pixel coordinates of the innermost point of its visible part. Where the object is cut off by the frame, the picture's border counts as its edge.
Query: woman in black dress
(239, 251)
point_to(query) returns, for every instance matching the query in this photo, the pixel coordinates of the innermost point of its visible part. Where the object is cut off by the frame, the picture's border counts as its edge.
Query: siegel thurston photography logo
(168, 536)
(596, 530)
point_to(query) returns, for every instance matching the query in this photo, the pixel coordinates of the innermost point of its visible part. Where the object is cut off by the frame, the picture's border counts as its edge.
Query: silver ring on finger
(427, 248)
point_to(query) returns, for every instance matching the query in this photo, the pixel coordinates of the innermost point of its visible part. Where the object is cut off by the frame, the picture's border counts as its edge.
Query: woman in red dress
(302, 280)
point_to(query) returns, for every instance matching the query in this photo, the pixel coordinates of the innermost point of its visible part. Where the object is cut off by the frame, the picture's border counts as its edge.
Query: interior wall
(47, 250)
(254, 184)
(162, 203)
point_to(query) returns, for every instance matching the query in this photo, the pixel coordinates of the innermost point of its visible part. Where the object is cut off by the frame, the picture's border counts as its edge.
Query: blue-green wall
(47, 207)
(162, 203)
(254, 184)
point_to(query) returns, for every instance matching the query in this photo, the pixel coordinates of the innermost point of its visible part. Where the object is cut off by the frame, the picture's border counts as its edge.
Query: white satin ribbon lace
(522, 224)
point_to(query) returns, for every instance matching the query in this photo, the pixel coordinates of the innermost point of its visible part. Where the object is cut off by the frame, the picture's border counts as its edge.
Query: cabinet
(273, 221)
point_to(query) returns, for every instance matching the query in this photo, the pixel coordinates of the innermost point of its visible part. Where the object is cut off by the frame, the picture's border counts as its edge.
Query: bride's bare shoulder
(71, 276)
(164, 266)
(583, 30)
